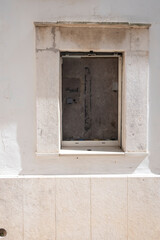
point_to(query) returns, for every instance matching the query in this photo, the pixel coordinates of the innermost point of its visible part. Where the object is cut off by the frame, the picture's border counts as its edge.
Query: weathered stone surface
(96, 39)
(11, 208)
(60, 208)
(139, 39)
(73, 209)
(144, 208)
(136, 91)
(44, 38)
(39, 208)
(47, 101)
(109, 208)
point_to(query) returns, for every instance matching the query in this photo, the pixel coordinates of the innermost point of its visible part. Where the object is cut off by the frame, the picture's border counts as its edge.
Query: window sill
(88, 151)
(95, 151)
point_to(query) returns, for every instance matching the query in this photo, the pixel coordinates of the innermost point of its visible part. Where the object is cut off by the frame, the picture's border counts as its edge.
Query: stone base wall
(76, 208)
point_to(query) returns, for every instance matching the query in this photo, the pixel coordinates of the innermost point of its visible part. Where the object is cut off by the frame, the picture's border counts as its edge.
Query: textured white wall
(18, 80)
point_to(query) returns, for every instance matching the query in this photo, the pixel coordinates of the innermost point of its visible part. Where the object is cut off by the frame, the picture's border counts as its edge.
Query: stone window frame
(130, 39)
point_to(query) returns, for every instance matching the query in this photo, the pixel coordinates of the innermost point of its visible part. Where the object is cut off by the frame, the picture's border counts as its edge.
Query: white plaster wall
(99, 207)
(18, 82)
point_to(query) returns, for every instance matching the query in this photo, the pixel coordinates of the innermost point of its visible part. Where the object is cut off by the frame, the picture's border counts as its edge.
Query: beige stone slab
(109, 208)
(139, 39)
(136, 100)
(39, 209)
(11, 208)
(96, 39)
(144, 208)
(47, 101)
(44, 37)
(73, 209)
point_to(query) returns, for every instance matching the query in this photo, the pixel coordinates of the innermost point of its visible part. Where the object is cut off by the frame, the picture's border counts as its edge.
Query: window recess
(91, 99)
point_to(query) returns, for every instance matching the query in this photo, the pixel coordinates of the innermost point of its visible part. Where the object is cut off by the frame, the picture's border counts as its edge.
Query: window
(91, 99)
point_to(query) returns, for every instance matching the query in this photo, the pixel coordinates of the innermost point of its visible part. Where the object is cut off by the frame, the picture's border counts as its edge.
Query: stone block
(47, 101)
(73, 209)
(44, 37)
(136, 100)
(11, 208)
(139, 39)
(95, 39)
(109, 208)
(144, 208)
(39, 208)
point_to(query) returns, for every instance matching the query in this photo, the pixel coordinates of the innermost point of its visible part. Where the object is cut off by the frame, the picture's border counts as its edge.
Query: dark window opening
(89, 96)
